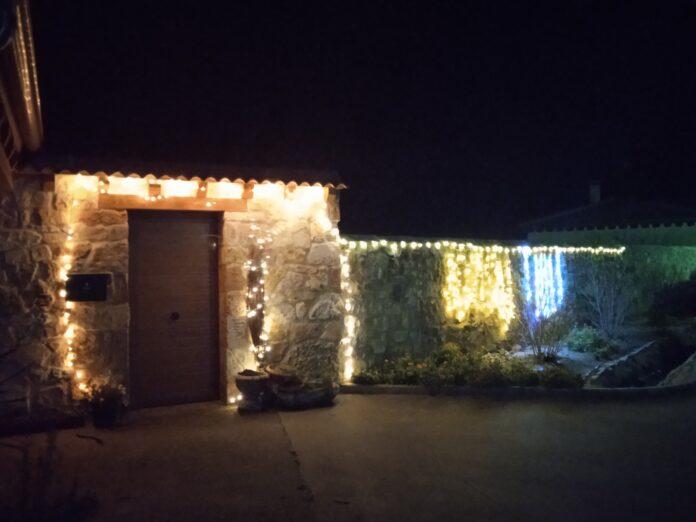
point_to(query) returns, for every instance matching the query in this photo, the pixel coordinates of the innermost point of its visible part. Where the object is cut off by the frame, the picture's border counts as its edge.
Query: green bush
(588, 339)
(489, 370)
(544, 335)
(373, 376)
(554, 376)
(452, 366)
(521, 373)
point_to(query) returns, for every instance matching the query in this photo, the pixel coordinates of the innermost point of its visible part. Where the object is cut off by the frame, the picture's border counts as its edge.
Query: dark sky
(445, 119)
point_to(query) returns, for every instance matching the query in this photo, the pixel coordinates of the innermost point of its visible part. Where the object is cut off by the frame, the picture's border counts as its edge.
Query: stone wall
(398, 304)
(100, 245)
(30, 238)
(49, 229)
(304, 311)
(34, 223)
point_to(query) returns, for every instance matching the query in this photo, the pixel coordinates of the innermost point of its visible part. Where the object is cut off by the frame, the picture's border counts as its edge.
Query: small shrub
(368, 377)
(490, 371)
(435, 377)
(521, 373)
(478, 333)
(588, 339)
(555, 376)
(450, 366)
(544, 335)
(606, 292)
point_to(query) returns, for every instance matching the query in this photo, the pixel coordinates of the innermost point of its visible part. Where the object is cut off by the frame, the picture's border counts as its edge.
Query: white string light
(397, 246)
(256, 293)
(70, 363)
(349, 319)
(478, 277)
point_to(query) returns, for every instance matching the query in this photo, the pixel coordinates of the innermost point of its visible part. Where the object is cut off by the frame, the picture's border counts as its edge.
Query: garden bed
(523, 392)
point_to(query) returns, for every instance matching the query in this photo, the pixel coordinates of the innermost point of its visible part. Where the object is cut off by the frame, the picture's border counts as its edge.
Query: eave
(20, 106)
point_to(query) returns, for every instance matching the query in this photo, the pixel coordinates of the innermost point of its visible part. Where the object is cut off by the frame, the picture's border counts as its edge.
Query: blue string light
(543, 282)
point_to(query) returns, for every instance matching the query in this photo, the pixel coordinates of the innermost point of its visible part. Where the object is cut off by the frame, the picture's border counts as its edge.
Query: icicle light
(543, 282)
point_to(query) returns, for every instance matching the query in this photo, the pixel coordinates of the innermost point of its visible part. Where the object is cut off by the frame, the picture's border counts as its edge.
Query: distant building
(615, 222)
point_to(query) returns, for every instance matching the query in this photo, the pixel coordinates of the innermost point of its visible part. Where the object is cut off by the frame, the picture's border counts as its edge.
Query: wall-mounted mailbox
(87, 287)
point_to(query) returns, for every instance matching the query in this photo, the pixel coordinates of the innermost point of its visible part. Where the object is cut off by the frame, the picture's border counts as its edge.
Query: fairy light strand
(256, 298)
(71, 365)
(478, 279)
(349, 319)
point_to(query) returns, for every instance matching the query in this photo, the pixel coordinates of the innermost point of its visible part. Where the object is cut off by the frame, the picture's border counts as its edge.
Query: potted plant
(107, 404)
(254, 388)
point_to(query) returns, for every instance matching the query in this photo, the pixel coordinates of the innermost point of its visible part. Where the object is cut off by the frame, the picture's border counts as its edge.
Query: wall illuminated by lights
(466, 284)
(479, 286)
(543, 281)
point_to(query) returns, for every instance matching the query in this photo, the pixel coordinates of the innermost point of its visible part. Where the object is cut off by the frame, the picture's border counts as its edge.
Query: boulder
(647, 365)
(685, 373)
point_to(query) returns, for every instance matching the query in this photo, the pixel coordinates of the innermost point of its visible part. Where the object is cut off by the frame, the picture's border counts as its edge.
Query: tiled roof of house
(40, 164)
(614, 214)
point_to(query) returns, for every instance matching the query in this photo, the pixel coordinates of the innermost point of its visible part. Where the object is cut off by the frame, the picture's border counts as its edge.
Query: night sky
(445, 119)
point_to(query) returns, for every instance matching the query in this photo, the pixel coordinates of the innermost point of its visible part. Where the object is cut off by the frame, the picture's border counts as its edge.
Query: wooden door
(173, 287)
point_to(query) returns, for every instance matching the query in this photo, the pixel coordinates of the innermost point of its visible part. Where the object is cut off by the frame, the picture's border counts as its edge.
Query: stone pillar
(100, 246)
(235, 339)
(304, 311)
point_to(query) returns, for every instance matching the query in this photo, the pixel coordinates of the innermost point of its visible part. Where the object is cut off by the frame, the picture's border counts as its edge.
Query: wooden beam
(5, 173)
(121, 202)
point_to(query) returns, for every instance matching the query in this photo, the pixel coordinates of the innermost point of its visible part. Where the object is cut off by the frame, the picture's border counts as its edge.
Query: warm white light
(70, 332)
(269, 191)
(128, 186)
(307, 195)
(179, 188)
(224, 190)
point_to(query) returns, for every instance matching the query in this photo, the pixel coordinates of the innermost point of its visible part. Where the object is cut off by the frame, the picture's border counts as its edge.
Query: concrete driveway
(384, 458)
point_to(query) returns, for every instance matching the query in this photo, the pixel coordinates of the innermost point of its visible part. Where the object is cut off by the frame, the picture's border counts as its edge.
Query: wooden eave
(20, 106)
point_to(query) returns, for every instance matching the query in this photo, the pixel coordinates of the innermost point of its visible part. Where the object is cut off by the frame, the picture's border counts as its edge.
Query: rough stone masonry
(303, 285)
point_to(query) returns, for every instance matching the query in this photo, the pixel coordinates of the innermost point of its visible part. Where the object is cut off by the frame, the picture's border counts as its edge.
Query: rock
(333, 330)
(326, 254)
(316, 361)
(301, 310)
(98, 233)
(107, 218)
(645, 366)
(302, 397)
(109, 256)
(41, 253)
(305, 330)
(234, 278)
(682, 374)
(329, 306)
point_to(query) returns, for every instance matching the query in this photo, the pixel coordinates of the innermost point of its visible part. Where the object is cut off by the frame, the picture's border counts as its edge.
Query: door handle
(175, 316)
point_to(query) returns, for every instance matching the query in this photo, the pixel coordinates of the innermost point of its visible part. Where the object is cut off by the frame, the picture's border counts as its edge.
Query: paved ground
(199, 462)
(395, 458)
